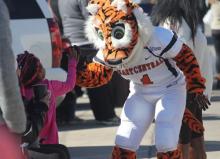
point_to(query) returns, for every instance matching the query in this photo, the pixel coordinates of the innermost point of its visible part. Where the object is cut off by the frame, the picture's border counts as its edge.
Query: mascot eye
(100, 35)
(118, 31)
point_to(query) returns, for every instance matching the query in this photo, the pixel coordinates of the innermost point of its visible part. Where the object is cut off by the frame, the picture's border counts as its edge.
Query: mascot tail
(193, 123)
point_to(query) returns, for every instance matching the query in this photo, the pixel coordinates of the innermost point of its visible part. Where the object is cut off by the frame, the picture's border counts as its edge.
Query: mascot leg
(176, 154)
(168, 120)
(120, 153)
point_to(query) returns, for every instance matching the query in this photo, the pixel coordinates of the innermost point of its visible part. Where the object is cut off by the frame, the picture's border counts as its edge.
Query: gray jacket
(11, 105)
(73, 14)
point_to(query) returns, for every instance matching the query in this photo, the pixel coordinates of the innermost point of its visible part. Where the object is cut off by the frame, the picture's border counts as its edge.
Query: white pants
(166, 104)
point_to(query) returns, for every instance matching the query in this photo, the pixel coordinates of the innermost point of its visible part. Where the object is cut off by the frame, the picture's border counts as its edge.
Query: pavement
(90, 140)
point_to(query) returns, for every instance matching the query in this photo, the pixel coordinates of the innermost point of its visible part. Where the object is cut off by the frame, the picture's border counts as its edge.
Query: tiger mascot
(159, 66)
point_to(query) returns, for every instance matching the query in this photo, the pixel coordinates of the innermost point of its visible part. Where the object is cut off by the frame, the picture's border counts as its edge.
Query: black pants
(55, 151)
(104, 99)
(66, 110)
(119, 89)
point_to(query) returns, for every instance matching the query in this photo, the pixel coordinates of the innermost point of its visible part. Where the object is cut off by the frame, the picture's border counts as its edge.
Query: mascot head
(117, 28)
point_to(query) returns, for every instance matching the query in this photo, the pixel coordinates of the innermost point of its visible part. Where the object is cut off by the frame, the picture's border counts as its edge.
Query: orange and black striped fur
(176, 154)
(193, 123)
(105, 16)
(93, 75)
(187, 62)
(108, 16)
(119, 153)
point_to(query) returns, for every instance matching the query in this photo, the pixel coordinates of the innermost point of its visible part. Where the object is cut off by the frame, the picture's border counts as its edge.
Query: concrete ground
(89, 140)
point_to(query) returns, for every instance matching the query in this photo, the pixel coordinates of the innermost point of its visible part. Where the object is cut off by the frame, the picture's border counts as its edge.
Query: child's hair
(30, 68)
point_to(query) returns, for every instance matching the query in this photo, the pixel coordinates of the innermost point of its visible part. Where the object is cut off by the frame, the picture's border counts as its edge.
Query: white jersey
(200, 49)
(150, 69)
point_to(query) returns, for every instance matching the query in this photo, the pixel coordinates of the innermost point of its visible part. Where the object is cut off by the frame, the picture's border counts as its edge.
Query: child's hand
(74, 52)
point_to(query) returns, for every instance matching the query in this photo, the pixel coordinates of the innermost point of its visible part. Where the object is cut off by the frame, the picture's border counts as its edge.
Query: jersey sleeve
(170, 43)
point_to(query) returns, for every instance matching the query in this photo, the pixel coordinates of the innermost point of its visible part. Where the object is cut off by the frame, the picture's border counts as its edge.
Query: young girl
(181, 16)
(31, 72)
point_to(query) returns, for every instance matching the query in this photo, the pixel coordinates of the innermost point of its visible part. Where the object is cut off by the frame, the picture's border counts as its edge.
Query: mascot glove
(200, 99)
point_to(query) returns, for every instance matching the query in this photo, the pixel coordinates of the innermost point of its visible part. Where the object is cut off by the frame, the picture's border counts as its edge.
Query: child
(31, 72)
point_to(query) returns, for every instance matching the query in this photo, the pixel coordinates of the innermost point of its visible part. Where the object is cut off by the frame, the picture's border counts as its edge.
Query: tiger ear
(120, 5)
(92, 8)
(124, 5)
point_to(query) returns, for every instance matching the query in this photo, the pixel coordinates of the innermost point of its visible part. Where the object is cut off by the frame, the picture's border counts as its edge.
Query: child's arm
(59, 88)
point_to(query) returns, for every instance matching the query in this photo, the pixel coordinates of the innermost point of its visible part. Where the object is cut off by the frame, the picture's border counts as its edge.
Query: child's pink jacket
(49, 131)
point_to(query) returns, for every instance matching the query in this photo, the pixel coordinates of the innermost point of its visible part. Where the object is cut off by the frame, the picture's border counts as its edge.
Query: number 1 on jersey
(146, 80)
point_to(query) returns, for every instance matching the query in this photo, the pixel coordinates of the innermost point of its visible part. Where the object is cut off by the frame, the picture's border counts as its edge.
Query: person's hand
(200, 99)
(74, 52)
(203, 101)
(71, 51)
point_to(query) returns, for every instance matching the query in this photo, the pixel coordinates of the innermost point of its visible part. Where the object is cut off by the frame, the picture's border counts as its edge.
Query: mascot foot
(119, 153)
(176, 154)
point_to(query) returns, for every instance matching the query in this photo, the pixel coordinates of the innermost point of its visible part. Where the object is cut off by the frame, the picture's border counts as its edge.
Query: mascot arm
(187, 62)
(93, 75)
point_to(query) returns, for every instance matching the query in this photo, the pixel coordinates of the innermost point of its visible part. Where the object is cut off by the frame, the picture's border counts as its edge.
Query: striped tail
(176, 154)
(193, 123)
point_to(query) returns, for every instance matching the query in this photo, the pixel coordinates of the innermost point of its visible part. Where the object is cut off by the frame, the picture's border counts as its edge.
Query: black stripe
(168, 64)
(171, 68)
(170, 45)
(98, 60)
(114, 62)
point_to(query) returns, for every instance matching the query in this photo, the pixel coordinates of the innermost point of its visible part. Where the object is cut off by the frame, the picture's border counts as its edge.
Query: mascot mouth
(115, 61)
(115, 57)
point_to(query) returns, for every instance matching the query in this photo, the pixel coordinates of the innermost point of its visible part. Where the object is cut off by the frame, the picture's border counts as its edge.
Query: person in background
(215, 28)
(202, 10)
(12, 113)
(181, 16)
(147, 5)
(67, 108)
(74, 15)
(31, 72)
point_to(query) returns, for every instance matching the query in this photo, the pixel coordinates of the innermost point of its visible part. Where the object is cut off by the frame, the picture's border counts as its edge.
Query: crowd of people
(158, 68)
